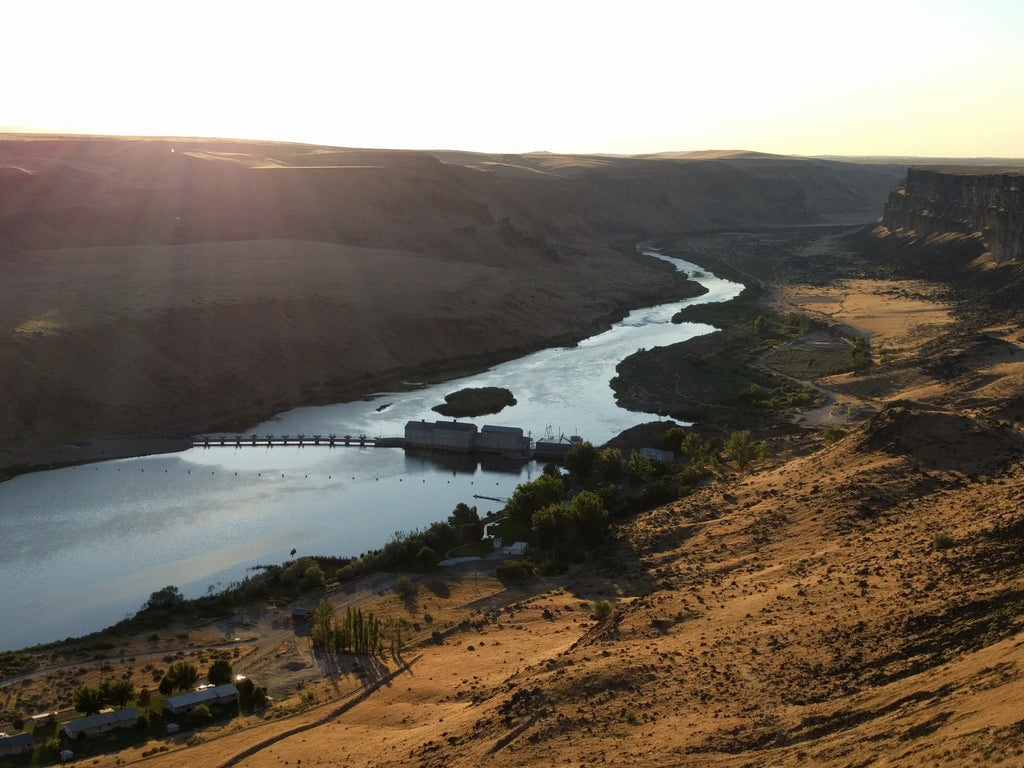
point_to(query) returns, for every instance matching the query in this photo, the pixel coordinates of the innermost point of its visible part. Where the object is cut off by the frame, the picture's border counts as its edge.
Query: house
(211, 697)
(494, 439)
(96, 725)
(18, 744)
(518, 549)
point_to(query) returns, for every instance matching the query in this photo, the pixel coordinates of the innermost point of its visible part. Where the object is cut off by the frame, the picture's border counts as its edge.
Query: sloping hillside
(162, 286)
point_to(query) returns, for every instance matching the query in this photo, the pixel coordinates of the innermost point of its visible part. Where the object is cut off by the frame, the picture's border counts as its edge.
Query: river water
(83, 547)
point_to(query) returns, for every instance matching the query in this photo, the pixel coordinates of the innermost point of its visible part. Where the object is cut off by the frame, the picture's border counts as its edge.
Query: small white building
(518, 549)
(96, 725)
(214, 696)
(657, 454)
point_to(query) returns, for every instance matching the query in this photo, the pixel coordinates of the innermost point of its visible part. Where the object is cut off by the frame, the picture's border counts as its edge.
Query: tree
(762, 451)
(589, 516)
(87, 700)
(581, 460)
(549, 524)
(180, 676)
(641, 468)
(530, 496)
(220, 672)
(740, 448)
(465, 523)
(313, 576)
(611, 465)
(201, 714)
(119, 693)
(164, 599)
(322, 625)
(426, 557)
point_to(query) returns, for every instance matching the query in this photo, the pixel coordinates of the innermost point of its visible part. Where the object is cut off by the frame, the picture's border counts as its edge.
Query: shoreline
(91, 451)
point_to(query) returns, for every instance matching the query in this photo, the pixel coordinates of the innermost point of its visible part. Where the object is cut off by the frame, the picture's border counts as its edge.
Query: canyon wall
(936, 201)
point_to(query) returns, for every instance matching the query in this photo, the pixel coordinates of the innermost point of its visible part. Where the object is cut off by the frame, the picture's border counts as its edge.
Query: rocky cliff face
(935, 201)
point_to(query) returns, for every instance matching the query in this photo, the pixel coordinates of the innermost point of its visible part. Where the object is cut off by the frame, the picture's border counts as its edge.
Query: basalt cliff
(987, 202)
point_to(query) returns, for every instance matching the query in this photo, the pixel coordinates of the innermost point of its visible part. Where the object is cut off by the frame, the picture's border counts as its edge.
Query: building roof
(508, 430)
(457, 426)
(14, 740)
(192, 698)
(128, 714)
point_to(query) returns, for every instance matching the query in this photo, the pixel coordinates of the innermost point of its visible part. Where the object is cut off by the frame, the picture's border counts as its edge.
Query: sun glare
(792, 76)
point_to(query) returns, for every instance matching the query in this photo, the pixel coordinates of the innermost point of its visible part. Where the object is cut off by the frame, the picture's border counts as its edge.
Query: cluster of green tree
(783, 397)
(111, 693)
(569, 515)
(860, 354)
(288, 581)
(418, 550)
(180, 676)
(356, 632)
(16, 663)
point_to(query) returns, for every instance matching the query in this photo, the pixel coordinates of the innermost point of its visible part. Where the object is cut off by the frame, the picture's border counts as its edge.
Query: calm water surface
(82, 547)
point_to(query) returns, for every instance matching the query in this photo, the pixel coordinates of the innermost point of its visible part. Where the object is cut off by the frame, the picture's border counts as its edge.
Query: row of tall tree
(356, 632)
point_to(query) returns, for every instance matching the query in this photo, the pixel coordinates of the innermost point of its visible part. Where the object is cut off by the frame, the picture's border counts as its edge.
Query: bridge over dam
(268, 441)
(454, 436)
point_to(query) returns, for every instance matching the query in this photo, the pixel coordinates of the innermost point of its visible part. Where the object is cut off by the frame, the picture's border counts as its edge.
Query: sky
(935, 78)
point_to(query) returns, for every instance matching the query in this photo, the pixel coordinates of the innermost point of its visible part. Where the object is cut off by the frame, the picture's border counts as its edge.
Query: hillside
(849, 602)
(166, 286)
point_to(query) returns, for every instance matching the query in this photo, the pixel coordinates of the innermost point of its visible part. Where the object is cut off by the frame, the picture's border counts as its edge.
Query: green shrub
(942, 540)
(833, 435)
(601, 609)
(516, 569)
(405, 588)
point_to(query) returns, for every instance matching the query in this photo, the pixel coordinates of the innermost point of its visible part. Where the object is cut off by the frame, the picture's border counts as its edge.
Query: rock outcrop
(962, 201)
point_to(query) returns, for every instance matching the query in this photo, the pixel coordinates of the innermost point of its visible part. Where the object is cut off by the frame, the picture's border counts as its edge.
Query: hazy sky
(877, 77)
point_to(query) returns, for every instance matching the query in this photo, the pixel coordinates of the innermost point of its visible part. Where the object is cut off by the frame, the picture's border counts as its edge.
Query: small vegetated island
(475, 401)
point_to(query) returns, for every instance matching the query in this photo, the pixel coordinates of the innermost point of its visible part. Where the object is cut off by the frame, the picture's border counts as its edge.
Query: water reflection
(82, 547)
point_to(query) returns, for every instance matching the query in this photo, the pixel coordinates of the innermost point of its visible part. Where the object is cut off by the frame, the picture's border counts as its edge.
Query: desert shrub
(601, 609)
(405, 588)
(52, 747)
(514, 570)
(833, 435)
(942, 540)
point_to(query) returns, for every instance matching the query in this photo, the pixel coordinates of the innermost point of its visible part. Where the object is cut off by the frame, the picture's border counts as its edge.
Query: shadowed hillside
(162, 286)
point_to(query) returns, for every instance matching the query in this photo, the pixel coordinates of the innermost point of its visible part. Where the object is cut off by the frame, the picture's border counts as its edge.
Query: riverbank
(88, 451)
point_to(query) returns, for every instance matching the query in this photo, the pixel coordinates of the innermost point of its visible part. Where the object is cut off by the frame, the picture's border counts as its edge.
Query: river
(83, 547)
